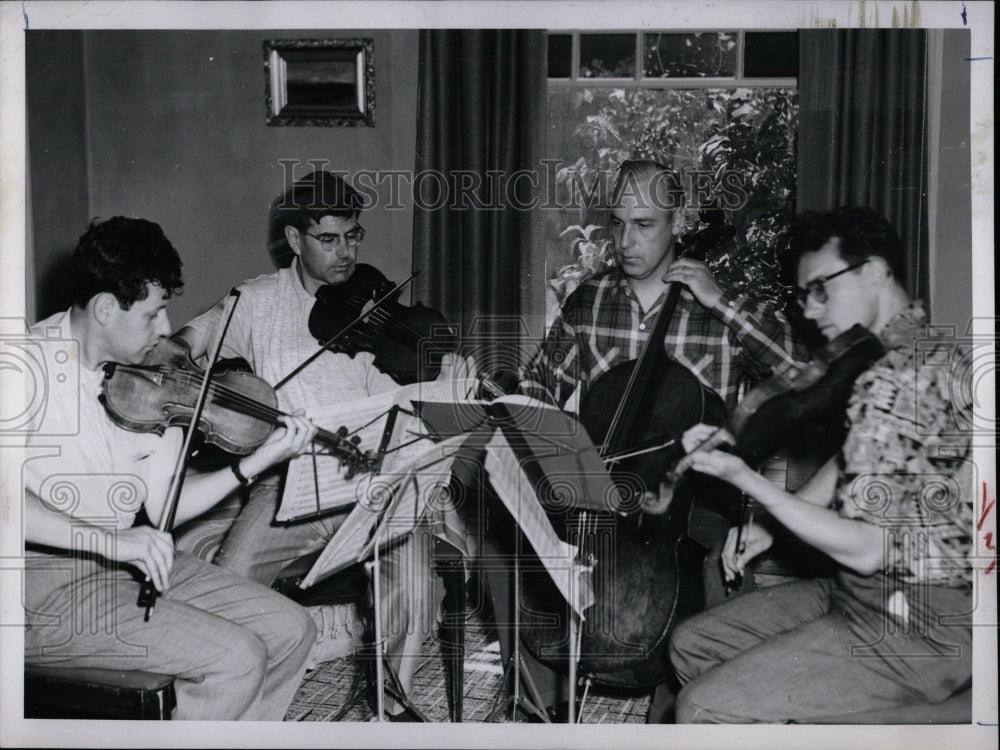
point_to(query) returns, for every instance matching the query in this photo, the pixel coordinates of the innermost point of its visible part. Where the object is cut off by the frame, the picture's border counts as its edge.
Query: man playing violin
(894, 510)
(270, 330)
(238, 649)
(720, 336)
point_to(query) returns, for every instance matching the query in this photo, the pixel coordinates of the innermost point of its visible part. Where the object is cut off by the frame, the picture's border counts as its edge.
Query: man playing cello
(720, 336)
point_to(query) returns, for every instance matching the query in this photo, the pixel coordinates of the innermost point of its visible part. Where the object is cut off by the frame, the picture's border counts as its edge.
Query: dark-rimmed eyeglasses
(817, 287)
(330, 239)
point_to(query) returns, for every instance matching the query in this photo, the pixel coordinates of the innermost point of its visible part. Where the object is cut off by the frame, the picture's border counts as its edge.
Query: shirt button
(642, 326)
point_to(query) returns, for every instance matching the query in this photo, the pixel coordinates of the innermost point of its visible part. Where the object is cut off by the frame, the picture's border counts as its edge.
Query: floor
(328, 689)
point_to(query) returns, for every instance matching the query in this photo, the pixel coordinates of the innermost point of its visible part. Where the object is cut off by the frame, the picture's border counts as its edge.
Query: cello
(647, 572)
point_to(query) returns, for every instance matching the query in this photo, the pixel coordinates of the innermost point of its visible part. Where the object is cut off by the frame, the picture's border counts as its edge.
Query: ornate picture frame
(320, 82)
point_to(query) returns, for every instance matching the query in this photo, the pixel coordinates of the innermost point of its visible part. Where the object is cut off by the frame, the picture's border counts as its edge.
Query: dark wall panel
(57, 143)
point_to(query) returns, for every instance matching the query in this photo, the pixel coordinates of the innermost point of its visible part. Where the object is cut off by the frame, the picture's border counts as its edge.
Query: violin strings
(225, 396)
(409, 334)
(384, 317)
(405, 330)
(416, 339)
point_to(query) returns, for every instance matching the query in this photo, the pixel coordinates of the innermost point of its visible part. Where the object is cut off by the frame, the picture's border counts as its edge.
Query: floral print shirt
(905, 462)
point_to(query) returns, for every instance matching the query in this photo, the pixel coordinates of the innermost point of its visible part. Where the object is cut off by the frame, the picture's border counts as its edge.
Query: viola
(239, 414)
(407, 342)
(773, 412)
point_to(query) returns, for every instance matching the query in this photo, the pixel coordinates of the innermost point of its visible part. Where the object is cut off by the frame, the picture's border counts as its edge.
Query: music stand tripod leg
(518, 674)
(452, 630)
(382, 667)
(394, 688)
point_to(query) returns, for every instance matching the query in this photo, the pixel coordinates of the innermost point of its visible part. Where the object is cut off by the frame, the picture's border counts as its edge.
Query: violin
(770, 414)
(408, 342)
(239, 414)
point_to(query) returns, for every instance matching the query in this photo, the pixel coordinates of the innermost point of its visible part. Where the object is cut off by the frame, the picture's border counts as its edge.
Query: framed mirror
(319, 82)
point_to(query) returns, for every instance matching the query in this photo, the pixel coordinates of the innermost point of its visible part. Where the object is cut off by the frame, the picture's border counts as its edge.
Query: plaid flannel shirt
(603, 323)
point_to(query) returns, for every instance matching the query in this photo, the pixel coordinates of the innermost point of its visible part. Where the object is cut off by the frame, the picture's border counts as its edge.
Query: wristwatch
(240, 477)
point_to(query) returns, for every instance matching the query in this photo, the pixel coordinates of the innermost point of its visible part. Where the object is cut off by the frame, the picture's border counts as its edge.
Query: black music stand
(451, 568)
(565, 443)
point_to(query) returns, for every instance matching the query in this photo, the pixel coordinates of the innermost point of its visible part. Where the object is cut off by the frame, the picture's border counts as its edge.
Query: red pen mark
(988, 539)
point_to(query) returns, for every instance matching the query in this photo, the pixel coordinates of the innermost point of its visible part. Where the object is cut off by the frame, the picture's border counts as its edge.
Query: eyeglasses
(353, 237)
(817, 287)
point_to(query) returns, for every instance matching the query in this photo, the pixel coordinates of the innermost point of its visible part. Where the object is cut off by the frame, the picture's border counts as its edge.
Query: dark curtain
(862, 131)
(481, 111)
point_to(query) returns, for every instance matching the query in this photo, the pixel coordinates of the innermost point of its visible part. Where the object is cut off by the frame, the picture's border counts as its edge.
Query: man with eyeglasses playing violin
(893, 510)
(237, 649)
(270, 330)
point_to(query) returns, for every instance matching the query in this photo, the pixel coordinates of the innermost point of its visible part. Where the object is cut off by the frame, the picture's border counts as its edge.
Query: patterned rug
(330, 687)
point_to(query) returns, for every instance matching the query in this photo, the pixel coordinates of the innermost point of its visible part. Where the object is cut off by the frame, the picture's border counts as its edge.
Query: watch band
(240, 477)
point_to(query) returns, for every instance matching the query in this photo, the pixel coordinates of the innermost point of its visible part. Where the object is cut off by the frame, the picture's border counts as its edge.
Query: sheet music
(516, 492)
(300, 497)
(400, 500)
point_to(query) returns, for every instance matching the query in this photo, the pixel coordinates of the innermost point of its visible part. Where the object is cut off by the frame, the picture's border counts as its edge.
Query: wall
(170, 125)
(950, 179)
(176, 133)
(59, 204)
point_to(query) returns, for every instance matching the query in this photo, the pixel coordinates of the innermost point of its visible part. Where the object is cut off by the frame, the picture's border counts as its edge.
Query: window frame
(638, 81)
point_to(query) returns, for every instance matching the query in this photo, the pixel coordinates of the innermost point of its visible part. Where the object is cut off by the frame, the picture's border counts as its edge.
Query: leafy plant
(593, 253)
(736, 137)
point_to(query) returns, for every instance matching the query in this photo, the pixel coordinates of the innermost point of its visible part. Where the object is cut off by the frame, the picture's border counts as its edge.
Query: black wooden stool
(70, 693)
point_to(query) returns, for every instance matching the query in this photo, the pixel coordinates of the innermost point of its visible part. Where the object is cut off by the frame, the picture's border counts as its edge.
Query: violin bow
(148, 592)
(342, 332)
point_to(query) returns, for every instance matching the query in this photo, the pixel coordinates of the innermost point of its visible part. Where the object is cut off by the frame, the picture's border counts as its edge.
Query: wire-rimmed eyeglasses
(331, 239)
(817, 287)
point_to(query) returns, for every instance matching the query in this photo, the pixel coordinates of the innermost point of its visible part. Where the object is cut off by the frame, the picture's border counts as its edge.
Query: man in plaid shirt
(722, 337)
(725, 339)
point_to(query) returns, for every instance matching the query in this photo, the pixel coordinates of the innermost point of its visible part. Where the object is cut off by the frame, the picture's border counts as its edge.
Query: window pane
(771, 54)
(560, 55)
(702, 55)
(607, 56)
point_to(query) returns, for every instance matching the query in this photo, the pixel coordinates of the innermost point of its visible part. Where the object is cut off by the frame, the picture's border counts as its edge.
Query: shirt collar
(300, 291)
(905, 326)
(621, 284)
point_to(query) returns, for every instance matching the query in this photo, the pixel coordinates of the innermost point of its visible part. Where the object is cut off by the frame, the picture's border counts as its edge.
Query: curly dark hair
(316, 195)
(120, 256)
(862, 233)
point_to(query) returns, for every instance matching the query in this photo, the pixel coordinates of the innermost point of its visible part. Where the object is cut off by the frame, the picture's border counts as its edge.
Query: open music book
(316, 483)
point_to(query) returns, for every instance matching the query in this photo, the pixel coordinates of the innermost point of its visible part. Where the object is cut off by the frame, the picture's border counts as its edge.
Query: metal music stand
(451, 569)
(573, 442)
(382, 665)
